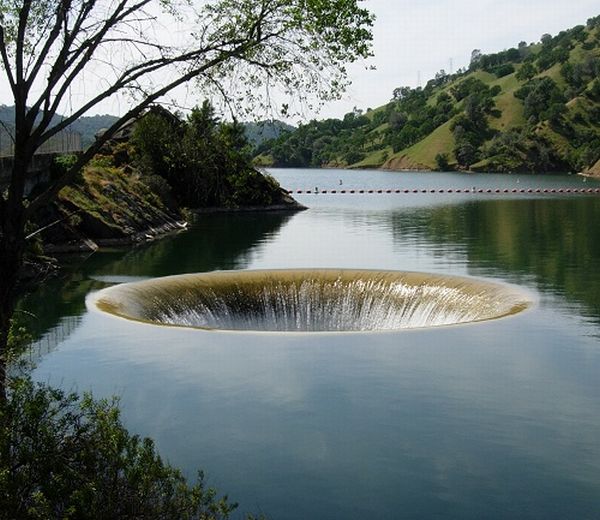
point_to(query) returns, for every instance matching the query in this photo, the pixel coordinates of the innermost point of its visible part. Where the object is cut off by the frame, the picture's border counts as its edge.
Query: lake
(498, 419)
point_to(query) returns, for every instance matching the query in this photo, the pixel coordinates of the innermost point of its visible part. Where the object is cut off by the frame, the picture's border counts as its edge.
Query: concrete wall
(39, 171)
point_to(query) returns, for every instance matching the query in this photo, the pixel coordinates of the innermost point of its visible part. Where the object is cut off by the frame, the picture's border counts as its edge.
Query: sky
(414, 39)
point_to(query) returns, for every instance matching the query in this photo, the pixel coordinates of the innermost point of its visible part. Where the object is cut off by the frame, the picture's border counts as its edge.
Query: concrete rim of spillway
(381, 300)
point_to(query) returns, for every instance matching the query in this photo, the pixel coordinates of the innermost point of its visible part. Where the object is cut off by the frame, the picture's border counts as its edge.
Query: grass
(511, 107)
(264, 161)
(117, 200)
(554, 73)
(374, 159)
(424, 152)
(487, 77)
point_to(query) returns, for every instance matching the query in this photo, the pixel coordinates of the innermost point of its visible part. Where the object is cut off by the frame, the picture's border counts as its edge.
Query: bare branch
(60, 18)
(77, 61)
(52, 191)
(23, 17)
(6, 61)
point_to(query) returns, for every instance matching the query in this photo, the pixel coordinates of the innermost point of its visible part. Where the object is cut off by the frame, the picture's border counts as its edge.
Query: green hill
(258, 133)
(529, 108)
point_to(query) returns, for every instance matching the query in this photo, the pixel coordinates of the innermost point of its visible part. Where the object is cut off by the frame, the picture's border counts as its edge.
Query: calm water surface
(493, 420)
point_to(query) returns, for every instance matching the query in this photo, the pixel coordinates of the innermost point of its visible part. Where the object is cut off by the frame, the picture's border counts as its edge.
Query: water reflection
(216, 242)
(220, 241)
(554, 243)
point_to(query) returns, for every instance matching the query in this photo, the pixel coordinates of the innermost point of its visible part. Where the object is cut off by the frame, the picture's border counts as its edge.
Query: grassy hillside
(529, 108)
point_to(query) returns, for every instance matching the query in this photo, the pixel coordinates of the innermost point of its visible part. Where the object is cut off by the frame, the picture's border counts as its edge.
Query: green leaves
(71, 458)
(206, 163)
(297, 48)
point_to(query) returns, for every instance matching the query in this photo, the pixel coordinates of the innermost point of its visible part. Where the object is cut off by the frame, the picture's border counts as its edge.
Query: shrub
(71, 458)
(442, 162)
(504, 70)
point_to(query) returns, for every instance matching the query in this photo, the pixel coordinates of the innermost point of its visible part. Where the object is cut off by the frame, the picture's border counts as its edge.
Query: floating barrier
(379, 191)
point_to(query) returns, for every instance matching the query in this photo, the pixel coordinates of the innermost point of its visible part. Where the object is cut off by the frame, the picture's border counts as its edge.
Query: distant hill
(258, 133)
(534, 107)
(86, 126)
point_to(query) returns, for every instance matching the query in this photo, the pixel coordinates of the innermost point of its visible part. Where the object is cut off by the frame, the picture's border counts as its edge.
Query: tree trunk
(12, 246)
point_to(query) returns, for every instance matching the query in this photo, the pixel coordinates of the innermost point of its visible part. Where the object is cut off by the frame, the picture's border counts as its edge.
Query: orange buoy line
(449, 190)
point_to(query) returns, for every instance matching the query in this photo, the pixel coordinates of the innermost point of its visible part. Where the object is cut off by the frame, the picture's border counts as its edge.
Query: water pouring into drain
(322, 300)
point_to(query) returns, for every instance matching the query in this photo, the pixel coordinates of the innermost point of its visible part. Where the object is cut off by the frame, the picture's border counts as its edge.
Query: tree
(400, 93)
(475, 58)
(442, 161)
(594, 90)
(466, 153)
(546, 39)
(203, 162)
(526, 72)
(239, 49)
(538, 96)
(397, 120)
(524, 49)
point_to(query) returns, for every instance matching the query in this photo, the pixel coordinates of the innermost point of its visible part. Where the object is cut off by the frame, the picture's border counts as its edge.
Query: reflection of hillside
(51, 313)
(221, 241)
(216, 241)
(557, 242)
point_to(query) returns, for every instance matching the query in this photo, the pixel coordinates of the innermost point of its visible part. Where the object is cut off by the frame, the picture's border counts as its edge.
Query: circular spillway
(311, 300)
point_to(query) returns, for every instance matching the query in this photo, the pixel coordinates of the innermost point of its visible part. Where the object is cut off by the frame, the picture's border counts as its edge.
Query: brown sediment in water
(312, 300)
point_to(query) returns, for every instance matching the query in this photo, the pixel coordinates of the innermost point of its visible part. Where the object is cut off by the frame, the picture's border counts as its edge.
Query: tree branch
(6, 61)
(61, 16)
(83, 159)
(23, 17)
(84, 54)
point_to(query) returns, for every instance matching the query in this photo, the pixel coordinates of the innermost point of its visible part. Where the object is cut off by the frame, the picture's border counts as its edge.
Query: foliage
(62, 164)
(204, 162)
(70, 457)
(399, 124)
(547, 94)
(443, 162)
(471, 128)
(320, 142)
(540, 97)
(504, 70)
(519, 150)
(526, 72)
(579, 74)
(594, 90)
(258, 133)
(496, 63)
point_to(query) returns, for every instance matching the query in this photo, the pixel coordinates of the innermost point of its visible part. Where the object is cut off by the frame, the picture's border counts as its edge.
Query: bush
(594, 90)
(504, 70)
(61, 165)
(353, 156)
(442, 162)
(71, 458)
(252, 188)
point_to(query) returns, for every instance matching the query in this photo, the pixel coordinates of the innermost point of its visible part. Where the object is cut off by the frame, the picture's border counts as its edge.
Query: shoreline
(151, 233)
